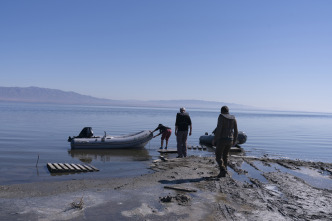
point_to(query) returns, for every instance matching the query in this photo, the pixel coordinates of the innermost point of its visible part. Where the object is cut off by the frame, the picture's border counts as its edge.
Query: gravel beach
(183, 189)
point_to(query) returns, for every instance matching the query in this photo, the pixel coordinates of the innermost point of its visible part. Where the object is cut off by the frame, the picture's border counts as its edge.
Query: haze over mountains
(54, 96)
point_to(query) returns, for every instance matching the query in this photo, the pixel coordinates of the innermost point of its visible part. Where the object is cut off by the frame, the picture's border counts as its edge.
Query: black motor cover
(86, 133)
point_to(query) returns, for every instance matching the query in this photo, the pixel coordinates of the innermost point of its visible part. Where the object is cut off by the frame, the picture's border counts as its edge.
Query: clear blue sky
(274, 54)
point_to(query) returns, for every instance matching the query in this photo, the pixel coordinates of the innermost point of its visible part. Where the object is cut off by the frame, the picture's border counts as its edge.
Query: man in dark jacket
(225, 137)
(182, 123)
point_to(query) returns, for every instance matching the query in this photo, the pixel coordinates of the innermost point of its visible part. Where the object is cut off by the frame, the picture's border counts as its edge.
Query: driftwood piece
(163, 158)
(185, 189)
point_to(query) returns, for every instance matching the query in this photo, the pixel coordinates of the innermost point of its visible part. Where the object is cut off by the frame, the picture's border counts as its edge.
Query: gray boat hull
(207, 139)
(135, 140)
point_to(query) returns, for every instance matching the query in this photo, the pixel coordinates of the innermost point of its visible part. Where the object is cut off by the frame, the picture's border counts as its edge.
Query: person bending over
(165, 134)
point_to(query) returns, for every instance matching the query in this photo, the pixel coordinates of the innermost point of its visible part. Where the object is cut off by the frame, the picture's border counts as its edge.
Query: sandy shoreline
(183, 189)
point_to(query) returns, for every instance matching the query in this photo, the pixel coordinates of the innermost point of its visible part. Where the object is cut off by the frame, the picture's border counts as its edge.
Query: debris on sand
(181, 199)
(78, 205)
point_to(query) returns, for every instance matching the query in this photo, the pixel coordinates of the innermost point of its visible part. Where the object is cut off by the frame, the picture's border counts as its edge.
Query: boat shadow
(108, 155)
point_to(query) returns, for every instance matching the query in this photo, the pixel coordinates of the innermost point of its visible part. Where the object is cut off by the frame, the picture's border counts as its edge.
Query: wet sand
(183, 189)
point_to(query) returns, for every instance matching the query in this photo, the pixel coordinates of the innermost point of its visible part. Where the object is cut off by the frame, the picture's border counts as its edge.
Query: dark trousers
(222, 150)
(181, 139)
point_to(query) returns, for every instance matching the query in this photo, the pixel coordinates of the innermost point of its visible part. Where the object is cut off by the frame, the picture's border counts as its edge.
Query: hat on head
(225, 112)
(182, 109)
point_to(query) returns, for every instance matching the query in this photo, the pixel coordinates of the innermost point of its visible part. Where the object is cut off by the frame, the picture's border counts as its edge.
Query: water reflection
(107, 155)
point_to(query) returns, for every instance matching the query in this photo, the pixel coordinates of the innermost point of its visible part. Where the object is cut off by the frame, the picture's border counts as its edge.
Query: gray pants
(181, 139)
(222, 150)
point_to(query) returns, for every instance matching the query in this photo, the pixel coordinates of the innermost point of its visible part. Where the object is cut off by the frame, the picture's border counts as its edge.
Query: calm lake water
(31, 130)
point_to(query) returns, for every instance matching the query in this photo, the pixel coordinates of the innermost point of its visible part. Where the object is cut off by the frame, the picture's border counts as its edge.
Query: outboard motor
(86, 133)
(241, 137)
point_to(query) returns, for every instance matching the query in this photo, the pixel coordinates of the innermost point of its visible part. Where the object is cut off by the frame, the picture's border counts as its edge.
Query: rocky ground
(183, 189)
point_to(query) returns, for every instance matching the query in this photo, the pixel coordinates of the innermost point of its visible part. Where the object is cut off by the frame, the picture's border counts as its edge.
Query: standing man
(224, 138)
(181, 131)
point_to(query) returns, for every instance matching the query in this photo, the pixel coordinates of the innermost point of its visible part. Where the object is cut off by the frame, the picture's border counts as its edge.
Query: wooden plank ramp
(168, 151)
(70, 168)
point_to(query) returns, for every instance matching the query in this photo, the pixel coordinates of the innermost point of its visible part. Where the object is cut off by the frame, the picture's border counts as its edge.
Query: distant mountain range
(54, 96)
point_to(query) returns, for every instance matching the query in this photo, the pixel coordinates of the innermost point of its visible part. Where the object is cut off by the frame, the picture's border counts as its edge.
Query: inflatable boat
(86, 140)
(207, 139)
